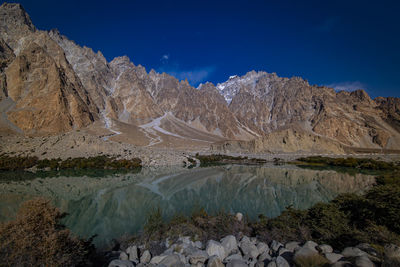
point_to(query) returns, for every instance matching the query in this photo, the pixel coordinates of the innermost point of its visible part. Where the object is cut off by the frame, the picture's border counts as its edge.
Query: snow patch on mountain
(231, 87)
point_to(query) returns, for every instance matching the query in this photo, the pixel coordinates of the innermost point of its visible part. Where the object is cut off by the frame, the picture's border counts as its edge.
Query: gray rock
(146, 257)
(353, 252)
(158, 259)
(215, 248)
(265, 257)
(198, 256)
(145, 265)
(253, 240)
(305, 251)
(230, 244)
(182, 258)
(325, 248)
(281, 262)
(392, 255)
(189, 250)
(177, 248)
(364, 261)
(275, 245)
(246, 239)
(342, 264)
(333, 257)
(247, 258)
(286, 254)
(198, 244)
(233, 257)
(249, 249)
(236, 263)
(392, 251)
(292, 246)
(170, 250)
(121, 263)
(310, 244)
(272, 264)
(239, 216)
(260, 264)
(123, 256)
(132, 251)
(172, 261)
(283, 250)
(185, 239)
(368, 249)
(262, 247)
(215, 261)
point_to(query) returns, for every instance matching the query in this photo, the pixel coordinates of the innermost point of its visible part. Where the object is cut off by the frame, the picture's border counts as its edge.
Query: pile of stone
(251, 252)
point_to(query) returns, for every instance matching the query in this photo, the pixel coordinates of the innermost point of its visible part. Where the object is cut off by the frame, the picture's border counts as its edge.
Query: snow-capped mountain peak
(231, 87)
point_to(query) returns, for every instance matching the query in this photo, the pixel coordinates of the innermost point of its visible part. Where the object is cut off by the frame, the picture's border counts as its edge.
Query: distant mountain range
(50, 85)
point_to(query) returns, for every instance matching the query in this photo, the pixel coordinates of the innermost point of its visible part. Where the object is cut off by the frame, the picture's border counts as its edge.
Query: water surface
(113, 204)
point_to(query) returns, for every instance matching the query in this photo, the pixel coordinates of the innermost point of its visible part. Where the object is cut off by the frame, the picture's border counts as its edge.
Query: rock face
(54, 103)
(287, 140)
(48, 96)
(265, 103)
(51, 85)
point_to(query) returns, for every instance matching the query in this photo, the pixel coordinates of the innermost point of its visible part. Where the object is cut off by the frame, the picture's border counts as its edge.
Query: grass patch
(218, 159)
(17, 163)
(8, 163)
(358, 163)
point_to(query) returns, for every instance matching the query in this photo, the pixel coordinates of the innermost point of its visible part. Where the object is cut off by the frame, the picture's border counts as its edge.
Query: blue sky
(344, 44)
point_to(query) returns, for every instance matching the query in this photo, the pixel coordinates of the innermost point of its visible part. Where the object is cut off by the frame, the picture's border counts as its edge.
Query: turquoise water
(113, 204)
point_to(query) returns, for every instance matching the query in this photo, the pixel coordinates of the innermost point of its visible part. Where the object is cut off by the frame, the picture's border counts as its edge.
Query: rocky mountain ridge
(51, 85)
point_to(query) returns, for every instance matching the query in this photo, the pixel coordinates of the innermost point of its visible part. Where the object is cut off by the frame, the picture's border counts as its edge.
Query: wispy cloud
(194, 75)
(347, 86)
(164, 59)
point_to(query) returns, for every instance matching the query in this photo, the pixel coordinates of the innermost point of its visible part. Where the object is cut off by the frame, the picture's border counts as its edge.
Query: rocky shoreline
(245, 251)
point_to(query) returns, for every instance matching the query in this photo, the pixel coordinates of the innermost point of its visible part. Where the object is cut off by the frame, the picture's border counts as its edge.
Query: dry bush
(36, 238)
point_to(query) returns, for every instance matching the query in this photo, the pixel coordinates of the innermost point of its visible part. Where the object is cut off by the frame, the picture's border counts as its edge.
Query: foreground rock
(255, 253)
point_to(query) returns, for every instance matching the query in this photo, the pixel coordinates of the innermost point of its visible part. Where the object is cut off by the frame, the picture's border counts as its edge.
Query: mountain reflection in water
(117, 204)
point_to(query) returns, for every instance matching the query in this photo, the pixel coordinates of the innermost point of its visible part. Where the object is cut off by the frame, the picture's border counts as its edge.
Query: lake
(113, 204)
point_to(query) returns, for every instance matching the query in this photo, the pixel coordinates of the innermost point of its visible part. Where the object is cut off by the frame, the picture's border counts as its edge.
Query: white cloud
(347, 86)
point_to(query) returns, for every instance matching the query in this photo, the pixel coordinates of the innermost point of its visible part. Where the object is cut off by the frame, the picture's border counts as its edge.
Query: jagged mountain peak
(157, 107)
(233, 85)
(14, 23)
(15, 14)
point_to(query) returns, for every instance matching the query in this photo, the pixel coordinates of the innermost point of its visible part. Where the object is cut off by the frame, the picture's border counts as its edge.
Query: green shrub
(385, 204)
(17, 163)
(99, 162)
(218, 159)
(360, 163)
(154, 226)
(288, 226)
(328, 223)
